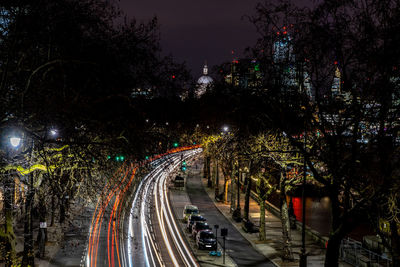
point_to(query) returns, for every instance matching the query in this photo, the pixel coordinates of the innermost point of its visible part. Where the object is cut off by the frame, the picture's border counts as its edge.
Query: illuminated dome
(203, 82)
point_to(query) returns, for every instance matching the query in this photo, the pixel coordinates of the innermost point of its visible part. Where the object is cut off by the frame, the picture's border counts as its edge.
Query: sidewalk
(272, 248)
(239, 248)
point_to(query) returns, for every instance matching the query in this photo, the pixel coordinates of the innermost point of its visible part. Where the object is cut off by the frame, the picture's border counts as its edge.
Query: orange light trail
(116, 188)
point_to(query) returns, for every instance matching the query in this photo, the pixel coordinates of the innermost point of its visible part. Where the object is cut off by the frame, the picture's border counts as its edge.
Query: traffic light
(147, 157)
(183, 168)
(184, 163)
(119, 158)
(176, 144)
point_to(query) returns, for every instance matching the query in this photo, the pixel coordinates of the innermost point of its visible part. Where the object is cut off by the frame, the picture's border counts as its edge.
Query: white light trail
(164, 214)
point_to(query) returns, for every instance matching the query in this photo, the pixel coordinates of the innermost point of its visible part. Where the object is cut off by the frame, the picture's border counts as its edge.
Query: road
(238, 248)
(133, 224)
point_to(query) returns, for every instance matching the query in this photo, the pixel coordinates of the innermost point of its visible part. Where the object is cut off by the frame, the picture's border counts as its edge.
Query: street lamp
(15, 141)
(225, 129)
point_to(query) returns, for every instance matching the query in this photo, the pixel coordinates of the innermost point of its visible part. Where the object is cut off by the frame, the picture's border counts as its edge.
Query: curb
(313, 234)
(237, 228)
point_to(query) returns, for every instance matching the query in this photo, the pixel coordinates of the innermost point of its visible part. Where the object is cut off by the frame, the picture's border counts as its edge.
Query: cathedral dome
(203, 82)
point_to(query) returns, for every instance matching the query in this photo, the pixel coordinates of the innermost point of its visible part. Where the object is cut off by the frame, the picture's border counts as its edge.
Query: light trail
(115, 191)
(180, 244)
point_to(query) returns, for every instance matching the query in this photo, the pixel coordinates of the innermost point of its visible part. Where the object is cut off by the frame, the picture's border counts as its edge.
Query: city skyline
(199, 31)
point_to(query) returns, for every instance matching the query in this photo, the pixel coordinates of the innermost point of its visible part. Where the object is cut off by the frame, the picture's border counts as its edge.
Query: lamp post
(9, 191)
(11, 145)
(303, 254)
(28, 255)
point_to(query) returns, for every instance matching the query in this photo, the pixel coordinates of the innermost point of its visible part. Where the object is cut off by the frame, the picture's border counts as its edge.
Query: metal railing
(352, 252)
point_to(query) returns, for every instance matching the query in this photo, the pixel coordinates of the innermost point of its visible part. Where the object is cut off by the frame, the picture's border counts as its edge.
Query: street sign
(224, 231)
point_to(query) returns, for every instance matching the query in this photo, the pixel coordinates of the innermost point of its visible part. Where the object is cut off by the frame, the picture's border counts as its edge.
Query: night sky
(195, 31)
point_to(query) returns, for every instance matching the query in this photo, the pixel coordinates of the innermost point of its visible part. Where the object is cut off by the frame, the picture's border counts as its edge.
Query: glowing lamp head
(225, 128)
(15, 141)
(53, 132)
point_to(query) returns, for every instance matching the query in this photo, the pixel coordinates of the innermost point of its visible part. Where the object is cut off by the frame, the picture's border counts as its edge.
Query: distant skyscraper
(336, 90)
(285, 58)
(244, 72)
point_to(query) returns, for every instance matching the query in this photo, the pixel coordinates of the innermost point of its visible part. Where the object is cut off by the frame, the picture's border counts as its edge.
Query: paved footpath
(238, 248)
(178, 199)
(272, 248)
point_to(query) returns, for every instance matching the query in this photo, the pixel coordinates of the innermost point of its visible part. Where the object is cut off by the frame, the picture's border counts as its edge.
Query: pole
(217, 181)
(216, 226)
(224, 252)
(238, 193)
(303, 255)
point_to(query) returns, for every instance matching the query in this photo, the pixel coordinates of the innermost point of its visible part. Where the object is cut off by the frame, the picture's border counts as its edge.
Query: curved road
(144, 232)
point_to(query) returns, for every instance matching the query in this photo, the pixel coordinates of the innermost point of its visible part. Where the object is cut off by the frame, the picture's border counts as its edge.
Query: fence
(352, 252)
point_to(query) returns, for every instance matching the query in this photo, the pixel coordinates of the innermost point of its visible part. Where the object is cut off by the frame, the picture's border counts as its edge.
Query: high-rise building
(293, 78)
(245, 73)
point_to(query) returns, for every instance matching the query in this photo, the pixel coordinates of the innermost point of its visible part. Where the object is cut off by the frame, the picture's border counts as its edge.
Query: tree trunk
(262, 220)
(62, 211)
(233, 196)
(247, 198)
(395, 241)
(226, 190)
(42, 235)
(207, 169)
(28, 257)
(216, 181)
(9, 187)
(287, 241)
(332, 250)
(53, 209)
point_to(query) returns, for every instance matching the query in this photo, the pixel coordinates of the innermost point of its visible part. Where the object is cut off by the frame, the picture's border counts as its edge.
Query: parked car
(199, 226)
(179, 181)
(205, 239)
(192, 219)
(189, 210)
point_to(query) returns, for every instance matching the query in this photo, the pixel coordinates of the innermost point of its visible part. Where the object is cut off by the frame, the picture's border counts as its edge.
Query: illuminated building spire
(205, 68)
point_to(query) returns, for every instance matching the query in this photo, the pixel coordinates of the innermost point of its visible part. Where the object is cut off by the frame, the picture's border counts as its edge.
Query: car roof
(207, 231)
(196, 216)
(191, 207)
